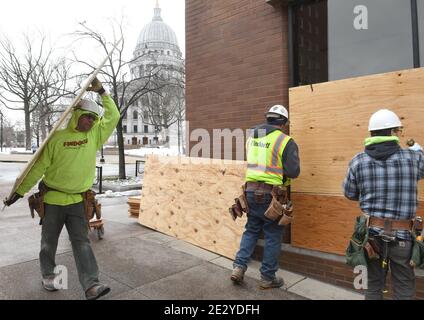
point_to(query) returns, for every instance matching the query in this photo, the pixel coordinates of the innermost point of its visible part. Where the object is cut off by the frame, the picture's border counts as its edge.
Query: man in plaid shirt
(384, 180)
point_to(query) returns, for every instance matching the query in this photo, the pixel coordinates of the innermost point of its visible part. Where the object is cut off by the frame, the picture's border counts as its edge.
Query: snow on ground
(172, 151)
(124, 182)
(7, 150)
(111, 194)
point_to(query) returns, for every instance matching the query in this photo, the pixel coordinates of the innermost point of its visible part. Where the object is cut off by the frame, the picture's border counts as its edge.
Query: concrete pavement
(137, 262)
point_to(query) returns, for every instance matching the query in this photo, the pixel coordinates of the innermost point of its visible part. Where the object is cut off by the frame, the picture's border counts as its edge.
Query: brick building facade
(242, 56)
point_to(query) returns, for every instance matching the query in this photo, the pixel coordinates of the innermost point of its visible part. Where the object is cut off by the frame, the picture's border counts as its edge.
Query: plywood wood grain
(323, 223)
(329, 122)
(188, 198)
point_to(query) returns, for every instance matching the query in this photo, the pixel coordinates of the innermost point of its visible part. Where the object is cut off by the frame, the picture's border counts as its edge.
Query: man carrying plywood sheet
(384, 180)
(67, 166)
(272, 160)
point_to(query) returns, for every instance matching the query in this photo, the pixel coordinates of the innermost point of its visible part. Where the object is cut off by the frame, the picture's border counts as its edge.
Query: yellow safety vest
(264, 158)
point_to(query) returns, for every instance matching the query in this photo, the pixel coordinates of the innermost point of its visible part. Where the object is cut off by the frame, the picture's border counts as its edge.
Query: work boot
(268, 284)
(97, 291)
(237, 275)
(48, 283)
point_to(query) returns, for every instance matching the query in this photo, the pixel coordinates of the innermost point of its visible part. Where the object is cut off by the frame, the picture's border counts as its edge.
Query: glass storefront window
(385, 46)
(337, 39)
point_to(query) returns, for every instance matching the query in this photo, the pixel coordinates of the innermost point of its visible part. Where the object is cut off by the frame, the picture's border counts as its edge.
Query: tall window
(146, 129)
(135, 129)
(135, 114)
(146, 115)
(337, 39)
(420, 5)
(124, 129)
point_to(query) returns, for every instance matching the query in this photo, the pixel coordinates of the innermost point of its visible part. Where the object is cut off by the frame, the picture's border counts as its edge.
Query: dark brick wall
(236, 62)
(333, 272)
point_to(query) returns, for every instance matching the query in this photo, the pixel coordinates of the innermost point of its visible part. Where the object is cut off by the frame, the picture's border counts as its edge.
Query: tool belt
(36, 202)
(259, 186)
(240, 206)
(390, 225)
(280, 208)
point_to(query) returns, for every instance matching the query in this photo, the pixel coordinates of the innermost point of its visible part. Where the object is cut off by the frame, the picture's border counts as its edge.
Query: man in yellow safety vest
(273, 160)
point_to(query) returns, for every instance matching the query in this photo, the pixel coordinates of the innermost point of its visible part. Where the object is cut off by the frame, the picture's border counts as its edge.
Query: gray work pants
(74, 218)
(402, 274)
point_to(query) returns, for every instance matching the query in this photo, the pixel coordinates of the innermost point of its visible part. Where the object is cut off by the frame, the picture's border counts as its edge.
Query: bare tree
(18, 78)
(126, 89)
(167, 106)
(51, 93)
(30, 80)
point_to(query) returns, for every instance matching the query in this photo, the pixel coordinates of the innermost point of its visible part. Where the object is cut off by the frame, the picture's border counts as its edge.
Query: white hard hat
(90, 105)
(277, 110)
(384, 119)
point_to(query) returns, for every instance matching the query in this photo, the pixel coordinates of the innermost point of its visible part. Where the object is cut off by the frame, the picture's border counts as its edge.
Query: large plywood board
(329, 122)
(188, 198)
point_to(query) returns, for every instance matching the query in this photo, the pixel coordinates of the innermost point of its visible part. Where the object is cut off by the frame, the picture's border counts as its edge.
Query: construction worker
(67, 166)
(384, 180)
(273, 159)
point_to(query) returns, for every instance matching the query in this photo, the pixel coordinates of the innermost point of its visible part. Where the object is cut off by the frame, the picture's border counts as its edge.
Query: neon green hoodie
(68, 161)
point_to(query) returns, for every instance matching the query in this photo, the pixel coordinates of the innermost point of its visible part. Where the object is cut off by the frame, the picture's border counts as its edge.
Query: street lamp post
(102, 159)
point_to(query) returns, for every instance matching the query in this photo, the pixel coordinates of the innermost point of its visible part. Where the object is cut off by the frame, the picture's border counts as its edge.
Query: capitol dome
(158, 35)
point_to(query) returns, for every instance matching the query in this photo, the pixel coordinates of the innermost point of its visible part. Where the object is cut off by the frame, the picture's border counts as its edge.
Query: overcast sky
(56, 18)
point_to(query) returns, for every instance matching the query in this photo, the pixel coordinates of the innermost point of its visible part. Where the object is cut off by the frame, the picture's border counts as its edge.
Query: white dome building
(157, 48)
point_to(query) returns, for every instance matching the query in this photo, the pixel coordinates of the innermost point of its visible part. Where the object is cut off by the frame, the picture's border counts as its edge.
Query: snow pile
(111, 194)
(142, 152)
(123, 182)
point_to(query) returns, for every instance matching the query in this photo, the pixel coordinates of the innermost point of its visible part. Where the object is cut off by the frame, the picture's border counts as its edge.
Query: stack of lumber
(134, 206)
(329, 122)
(188, 198)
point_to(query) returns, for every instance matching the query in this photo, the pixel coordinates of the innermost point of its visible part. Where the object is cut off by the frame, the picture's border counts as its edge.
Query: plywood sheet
(329, 122)
(325, 223)
(188, 198)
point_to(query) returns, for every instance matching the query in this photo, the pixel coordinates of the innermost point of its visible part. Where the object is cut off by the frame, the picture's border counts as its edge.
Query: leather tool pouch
(91, 205)
(275, 210)
(280, 209)
(240, 206)
(287, 214)
(36, 201)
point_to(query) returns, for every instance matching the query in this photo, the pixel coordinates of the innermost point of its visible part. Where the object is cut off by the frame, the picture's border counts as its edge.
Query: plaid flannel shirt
(386, 189)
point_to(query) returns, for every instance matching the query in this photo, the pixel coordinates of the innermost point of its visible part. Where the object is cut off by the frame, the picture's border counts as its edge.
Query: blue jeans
(256, 222)
(74, 218)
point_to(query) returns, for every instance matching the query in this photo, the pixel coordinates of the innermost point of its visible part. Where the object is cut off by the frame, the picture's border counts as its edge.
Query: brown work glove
(96, 86)
(15, 197)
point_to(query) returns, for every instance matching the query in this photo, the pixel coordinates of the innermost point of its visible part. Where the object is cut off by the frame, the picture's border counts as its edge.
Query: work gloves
(413, 145)
(416, 147)
(15, 197)
(96, 86)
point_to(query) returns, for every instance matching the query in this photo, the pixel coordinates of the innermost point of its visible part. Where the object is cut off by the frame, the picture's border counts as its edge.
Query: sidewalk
(138, 263)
